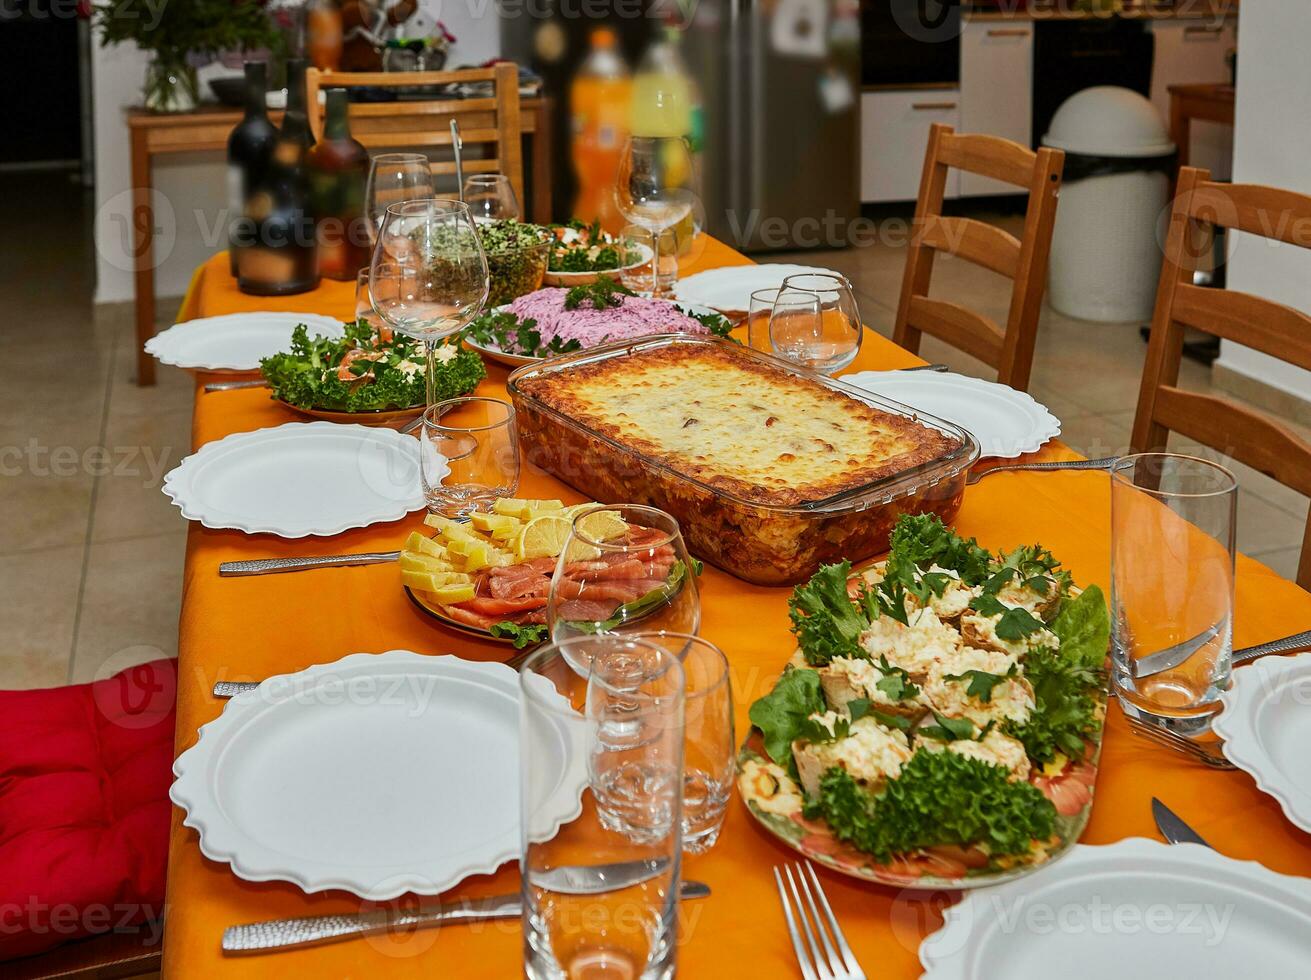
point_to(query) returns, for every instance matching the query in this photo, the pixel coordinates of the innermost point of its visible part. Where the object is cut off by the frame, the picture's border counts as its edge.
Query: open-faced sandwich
(942, 715)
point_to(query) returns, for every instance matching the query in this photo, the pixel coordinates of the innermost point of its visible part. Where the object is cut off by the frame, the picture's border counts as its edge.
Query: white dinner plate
(301, 478)
(380, 774)
(519, 360)
(1007, 423)
(1135, 910)
(730, 288)
(234, 341)
(1266, 727)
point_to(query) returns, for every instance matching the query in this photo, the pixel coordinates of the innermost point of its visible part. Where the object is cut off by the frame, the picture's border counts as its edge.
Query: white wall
(190, 187)
(1272, 143)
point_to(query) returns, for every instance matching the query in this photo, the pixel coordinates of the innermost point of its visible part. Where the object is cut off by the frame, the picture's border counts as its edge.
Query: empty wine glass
(364, 303)
(654, 189)
(815, 322)
(394, 178)
(428, 278)
(491, 197)
(759, 312)
(624, 567)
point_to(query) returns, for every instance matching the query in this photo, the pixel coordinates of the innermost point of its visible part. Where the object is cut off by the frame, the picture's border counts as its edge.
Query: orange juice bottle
(598, 108)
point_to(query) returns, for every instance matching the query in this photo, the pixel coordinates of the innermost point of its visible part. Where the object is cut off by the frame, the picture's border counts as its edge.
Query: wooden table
(207, 129)
(1209, 102)
(250, 628)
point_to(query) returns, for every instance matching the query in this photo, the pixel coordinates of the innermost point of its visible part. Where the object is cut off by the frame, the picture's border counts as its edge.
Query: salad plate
(365, 375)
(1137, 910)
(482, 336)
(940, 725)
(1266, 726)
(1007, 423)
(729, 289)
(583, 253)
(235, 342)
(336, 777)
(300, 479)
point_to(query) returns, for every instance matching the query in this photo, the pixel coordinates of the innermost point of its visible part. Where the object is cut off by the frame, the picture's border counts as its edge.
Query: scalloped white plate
(730, 288)
(302, 478)
(1266, 727)
(381, 774)
(1134, 910)
(1007, 423)
(235, 341)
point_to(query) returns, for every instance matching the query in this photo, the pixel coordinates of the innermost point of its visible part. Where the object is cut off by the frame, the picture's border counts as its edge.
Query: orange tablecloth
(250, 628)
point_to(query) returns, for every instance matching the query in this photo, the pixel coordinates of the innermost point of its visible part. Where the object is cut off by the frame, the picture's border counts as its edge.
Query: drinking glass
(816, 322)
(469, 454)
(637, 248)
(428, 278)
(708, 740)
(759, 311)
(600, 876)
(653, 190)
(394, 178)
(624, 568)
(1172, 587)
(364, 302)
(491, 197)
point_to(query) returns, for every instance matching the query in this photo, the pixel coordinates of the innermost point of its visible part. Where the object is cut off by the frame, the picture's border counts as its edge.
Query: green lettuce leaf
(781, 715)
(1083, 626)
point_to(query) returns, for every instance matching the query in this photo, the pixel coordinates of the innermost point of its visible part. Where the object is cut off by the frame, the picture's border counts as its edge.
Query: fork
(1208, 754)
(835, 963)
(1103, 464)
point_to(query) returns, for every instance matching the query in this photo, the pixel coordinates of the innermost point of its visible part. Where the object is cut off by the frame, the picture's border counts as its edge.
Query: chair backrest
(492, 121)
(1249, 436)
(1024, 260)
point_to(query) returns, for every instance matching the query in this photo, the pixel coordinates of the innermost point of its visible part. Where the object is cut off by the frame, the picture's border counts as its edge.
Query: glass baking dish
(761, 543)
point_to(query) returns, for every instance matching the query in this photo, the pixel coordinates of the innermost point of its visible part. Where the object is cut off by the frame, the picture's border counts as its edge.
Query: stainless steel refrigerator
(780, 84)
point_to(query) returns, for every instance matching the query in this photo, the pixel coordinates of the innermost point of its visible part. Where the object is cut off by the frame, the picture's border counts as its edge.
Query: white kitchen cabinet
(1192, 51)
(996, 71)
(894, 133)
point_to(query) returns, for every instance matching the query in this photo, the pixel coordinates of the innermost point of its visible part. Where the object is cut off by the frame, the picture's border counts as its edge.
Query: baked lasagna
(744, 452)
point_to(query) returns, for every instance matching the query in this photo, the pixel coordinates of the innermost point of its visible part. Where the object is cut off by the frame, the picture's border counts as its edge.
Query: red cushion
(84, 809)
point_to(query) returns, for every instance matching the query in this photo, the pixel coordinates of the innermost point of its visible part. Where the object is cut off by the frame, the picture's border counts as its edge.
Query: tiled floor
(91, 552)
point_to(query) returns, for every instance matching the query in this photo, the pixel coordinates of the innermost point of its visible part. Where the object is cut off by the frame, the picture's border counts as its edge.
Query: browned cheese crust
(742, 427)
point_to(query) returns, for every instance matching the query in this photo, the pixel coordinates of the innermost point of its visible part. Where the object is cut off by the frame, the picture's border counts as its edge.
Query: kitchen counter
(1039, 10)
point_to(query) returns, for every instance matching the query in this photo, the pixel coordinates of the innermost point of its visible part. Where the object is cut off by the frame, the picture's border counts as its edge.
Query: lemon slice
(491, 523)
(604, 525)
(542, 537)
(448, 594)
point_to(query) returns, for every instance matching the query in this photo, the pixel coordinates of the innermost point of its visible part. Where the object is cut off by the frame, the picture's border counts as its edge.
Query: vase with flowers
(180, 36)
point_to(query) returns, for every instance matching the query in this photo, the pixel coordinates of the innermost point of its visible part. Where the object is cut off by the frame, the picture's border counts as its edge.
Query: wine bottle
(338, 169)
(296, 120)
(278, 255)
(249, 148)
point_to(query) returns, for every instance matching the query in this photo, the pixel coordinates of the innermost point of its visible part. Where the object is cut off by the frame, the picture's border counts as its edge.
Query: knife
(267, 566)
(1172, 826)
(257, 937)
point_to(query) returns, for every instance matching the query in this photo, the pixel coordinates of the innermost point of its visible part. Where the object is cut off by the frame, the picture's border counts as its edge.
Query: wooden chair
(1010, 351)
(112, 956)
(492, 121)
(1261, 442)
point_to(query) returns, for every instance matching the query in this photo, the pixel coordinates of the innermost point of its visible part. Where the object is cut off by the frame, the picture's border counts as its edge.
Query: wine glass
(759, 313)
(654, 189)
(491, 197)
(623, 568)
(393, 178)
(428, 278)
(815, 322)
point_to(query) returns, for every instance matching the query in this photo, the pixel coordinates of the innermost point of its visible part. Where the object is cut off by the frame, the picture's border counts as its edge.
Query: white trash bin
(1105, 256)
